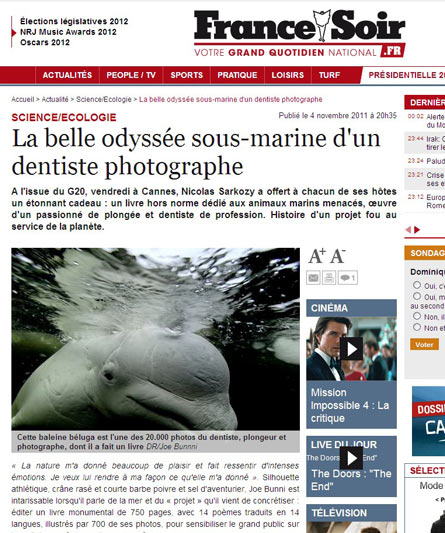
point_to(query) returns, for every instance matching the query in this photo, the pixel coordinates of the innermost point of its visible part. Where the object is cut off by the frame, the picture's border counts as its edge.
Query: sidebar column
(424, 256)
(351, 396)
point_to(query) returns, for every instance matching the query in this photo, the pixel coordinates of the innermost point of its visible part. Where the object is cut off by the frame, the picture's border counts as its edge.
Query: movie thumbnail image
(369, 344)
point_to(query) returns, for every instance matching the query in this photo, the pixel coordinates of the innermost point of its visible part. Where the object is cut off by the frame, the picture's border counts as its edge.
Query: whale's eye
(108, 371)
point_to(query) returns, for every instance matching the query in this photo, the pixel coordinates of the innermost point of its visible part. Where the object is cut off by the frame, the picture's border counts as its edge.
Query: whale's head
(154, 379)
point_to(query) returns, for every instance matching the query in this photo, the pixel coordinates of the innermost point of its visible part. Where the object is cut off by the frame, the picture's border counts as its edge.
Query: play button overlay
(351, 457)
(351, 348)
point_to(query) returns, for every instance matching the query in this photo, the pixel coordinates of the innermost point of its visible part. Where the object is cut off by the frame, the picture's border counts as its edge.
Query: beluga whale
(147, 378)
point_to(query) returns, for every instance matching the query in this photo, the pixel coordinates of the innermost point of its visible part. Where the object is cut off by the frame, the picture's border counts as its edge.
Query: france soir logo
(339, 25)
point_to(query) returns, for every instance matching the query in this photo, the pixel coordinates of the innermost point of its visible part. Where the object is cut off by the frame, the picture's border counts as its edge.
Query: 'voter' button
(351, 348)
(351, 457)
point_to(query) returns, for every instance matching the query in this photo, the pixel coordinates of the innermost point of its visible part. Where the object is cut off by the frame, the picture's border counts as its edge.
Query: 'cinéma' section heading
(333, 25)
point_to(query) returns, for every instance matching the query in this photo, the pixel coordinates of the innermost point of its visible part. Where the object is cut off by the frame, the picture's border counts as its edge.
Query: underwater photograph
(155, 339)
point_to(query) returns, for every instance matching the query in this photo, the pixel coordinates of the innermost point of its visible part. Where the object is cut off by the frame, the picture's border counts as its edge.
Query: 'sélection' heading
(209, 26)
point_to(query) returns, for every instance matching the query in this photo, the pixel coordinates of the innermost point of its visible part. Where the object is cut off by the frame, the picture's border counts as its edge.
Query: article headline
(121, 165)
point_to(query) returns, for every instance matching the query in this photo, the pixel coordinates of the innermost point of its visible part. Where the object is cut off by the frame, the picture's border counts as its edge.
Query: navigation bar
(236, 75)
(179, 75)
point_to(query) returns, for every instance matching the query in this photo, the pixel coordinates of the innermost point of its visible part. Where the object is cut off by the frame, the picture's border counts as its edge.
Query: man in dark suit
(379, 368)
(391, 362)
(324, 362)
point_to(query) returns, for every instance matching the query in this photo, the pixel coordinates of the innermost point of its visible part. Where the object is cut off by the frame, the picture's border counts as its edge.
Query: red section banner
(424, 101)
(179, 75)
(428, 409)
